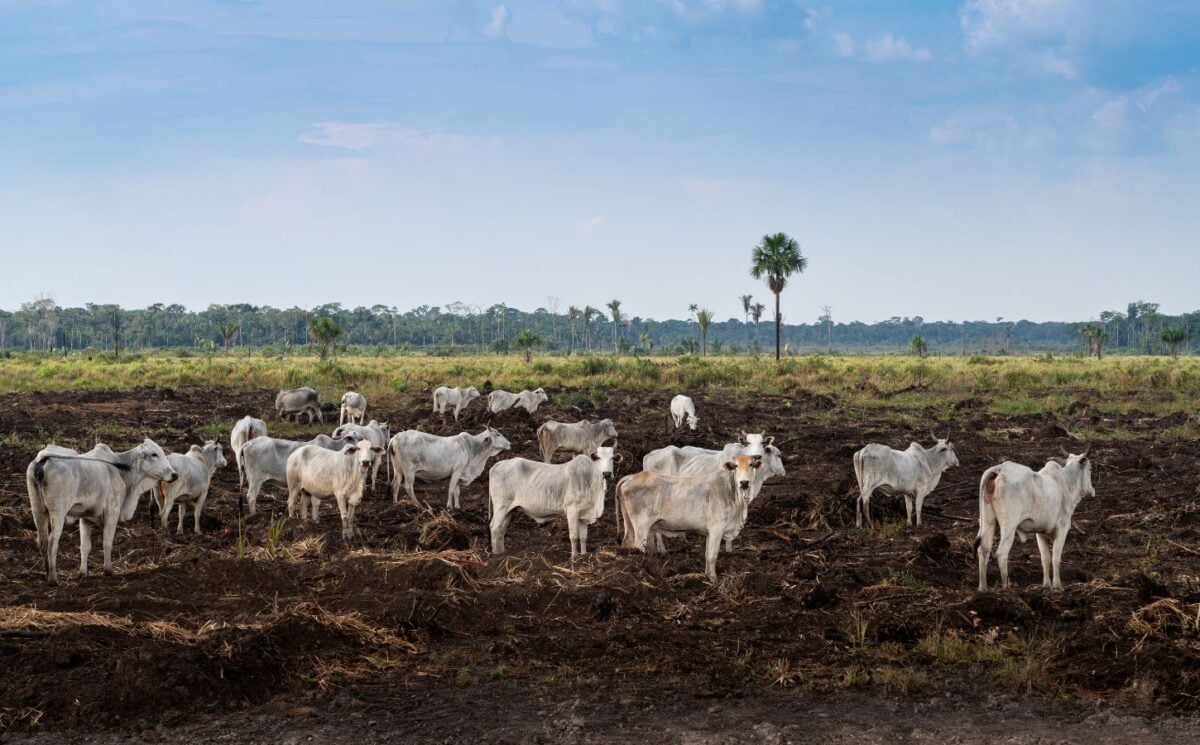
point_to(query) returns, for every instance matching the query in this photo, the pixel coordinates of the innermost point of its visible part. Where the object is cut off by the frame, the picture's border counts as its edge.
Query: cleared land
(280, 629)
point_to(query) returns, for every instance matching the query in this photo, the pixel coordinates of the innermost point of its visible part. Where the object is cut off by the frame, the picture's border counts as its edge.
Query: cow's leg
(344, 509)
(1007, 535)
(316, 506)
(109, 533)
(573, 529)
(57, 522)
(712, 547)
(920, 502)
(294, 493)
(660, 546)
(1044, 550)
(501, 517)
(583, 533)
(85, 545)
(908, 510)
(1060, 540)
(984, 550)
(181, 509)
(864, 503)
(197, 507)
(252, 496)
(452, 499)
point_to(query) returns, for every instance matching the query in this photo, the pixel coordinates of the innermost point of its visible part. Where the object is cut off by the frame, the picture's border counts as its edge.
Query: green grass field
(1011, 385)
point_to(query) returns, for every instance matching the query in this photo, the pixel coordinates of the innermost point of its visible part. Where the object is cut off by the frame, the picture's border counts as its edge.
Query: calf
(914, 473)
(712, 504)
(298, 402)
(314, 473)
(354, 408)
(244, 430)
(581, 437)
(499, 401)
(99, 487)
(459, 398)
(265, 461)
(683, 411)
(574, 490)
(195, 469)
(1021, 501)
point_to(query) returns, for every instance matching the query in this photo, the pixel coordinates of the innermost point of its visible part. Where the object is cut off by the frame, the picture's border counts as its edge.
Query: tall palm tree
(572, 316)
(227, 331)
(746, 305)
(615, 307)
(777, 257)
(325, 332)
(756, 312)
(704, 318)
(692, 308)
(588, 312)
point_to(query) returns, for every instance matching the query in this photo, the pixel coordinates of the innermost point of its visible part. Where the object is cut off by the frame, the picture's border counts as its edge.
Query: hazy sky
(1021, 158)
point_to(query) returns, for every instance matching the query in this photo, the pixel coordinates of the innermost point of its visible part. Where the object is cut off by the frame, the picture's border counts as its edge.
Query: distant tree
(704, 318)
(525, 342)
(918, 345)
(1096, 338)
(776, 258)
(827, 319)
(227, 331)
(588, 312)
(615, 308)
(692, 308)
(646, 342)
(747, 304)
(573, 317)
(756, 312)
(552, 302)
(325, 333)
(1173, 337)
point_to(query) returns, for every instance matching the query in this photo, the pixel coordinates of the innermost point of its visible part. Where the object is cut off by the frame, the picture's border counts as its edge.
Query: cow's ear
(756, 463)
(487, 440)
(377, 450)
(595, 456)
(742, 437)
(618, 458)
(350, 451)
(768, 440)
(730, 465)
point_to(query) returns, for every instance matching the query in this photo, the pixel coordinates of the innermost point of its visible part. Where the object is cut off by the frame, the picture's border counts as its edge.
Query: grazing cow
(354, 408)
(713, 504)
(265, 461)
(461, 458)
(99, 487)
(544, 491)
(245, 430)
(459, 398)
(298, 401)
(678, 462)
(499, 401)
(914, 473)
(314, 473)
(1021, 501)
(581, 437)
(195, 469)
(683, 411)
(378, 433)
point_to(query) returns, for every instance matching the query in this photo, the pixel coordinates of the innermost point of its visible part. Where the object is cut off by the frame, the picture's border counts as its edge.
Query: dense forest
(457, 327)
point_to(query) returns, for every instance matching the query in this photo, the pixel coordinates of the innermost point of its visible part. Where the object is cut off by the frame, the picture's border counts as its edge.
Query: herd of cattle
(680, 490)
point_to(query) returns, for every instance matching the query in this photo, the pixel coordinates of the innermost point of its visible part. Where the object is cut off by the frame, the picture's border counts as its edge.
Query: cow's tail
(393, 455)
(858, 468)
(989, 486)
(543, 440)
(624, 516)
(435, 401)
(35, 482)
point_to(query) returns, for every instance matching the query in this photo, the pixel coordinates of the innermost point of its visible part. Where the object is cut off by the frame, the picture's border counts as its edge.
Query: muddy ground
(414, 632)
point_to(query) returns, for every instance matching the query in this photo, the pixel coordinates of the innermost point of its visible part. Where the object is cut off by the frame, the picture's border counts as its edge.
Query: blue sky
(957, 160)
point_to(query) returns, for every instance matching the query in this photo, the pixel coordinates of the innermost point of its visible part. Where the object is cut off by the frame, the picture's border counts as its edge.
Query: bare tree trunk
(778, 327)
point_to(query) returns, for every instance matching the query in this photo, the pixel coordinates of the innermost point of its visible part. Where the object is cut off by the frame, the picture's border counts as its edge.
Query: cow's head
(1085, 470)
(755, 444)
(471, 393)
(214, 454)
(540, 396)
(944, 451)
(608, 429)
(498, 442)
(692, 420)
(606, 459)
(154, 462)
(363, 453)
(774, 462)
(743, 467)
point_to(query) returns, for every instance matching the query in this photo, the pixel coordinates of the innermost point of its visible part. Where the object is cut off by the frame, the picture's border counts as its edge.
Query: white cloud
(814, 17)
(886, 48)
(368, 135)
(498, 22)
(994, 23)
(587, 229)
(1053, 63)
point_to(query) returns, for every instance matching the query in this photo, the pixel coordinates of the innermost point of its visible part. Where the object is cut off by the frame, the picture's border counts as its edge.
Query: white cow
(914, 473)
(673, 458)
(680, 462)
(1021, 501)
(99, 487)
(528, 400)
(245, 430)
(195, 469)
(265, 462)
(314, 473)
(459, 398)
(683, 411)
(461, 458)
(713, 504)
(298, 402)
(581, 437)
(378, 433)
(544, 491)
(354, 408)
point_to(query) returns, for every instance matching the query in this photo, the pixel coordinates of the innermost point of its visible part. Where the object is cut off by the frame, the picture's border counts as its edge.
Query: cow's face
(609, 429)
(945, 450)
(1085, 463)
(471, 393)
(500, 443)
(755, 444)
(774, 461)
(540, 396)
(743, 468)
(606, 460)
(154, 462)
(215, 454)
(363, 453)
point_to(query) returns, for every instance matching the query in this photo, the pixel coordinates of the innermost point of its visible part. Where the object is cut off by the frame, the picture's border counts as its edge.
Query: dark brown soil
(415, 613)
